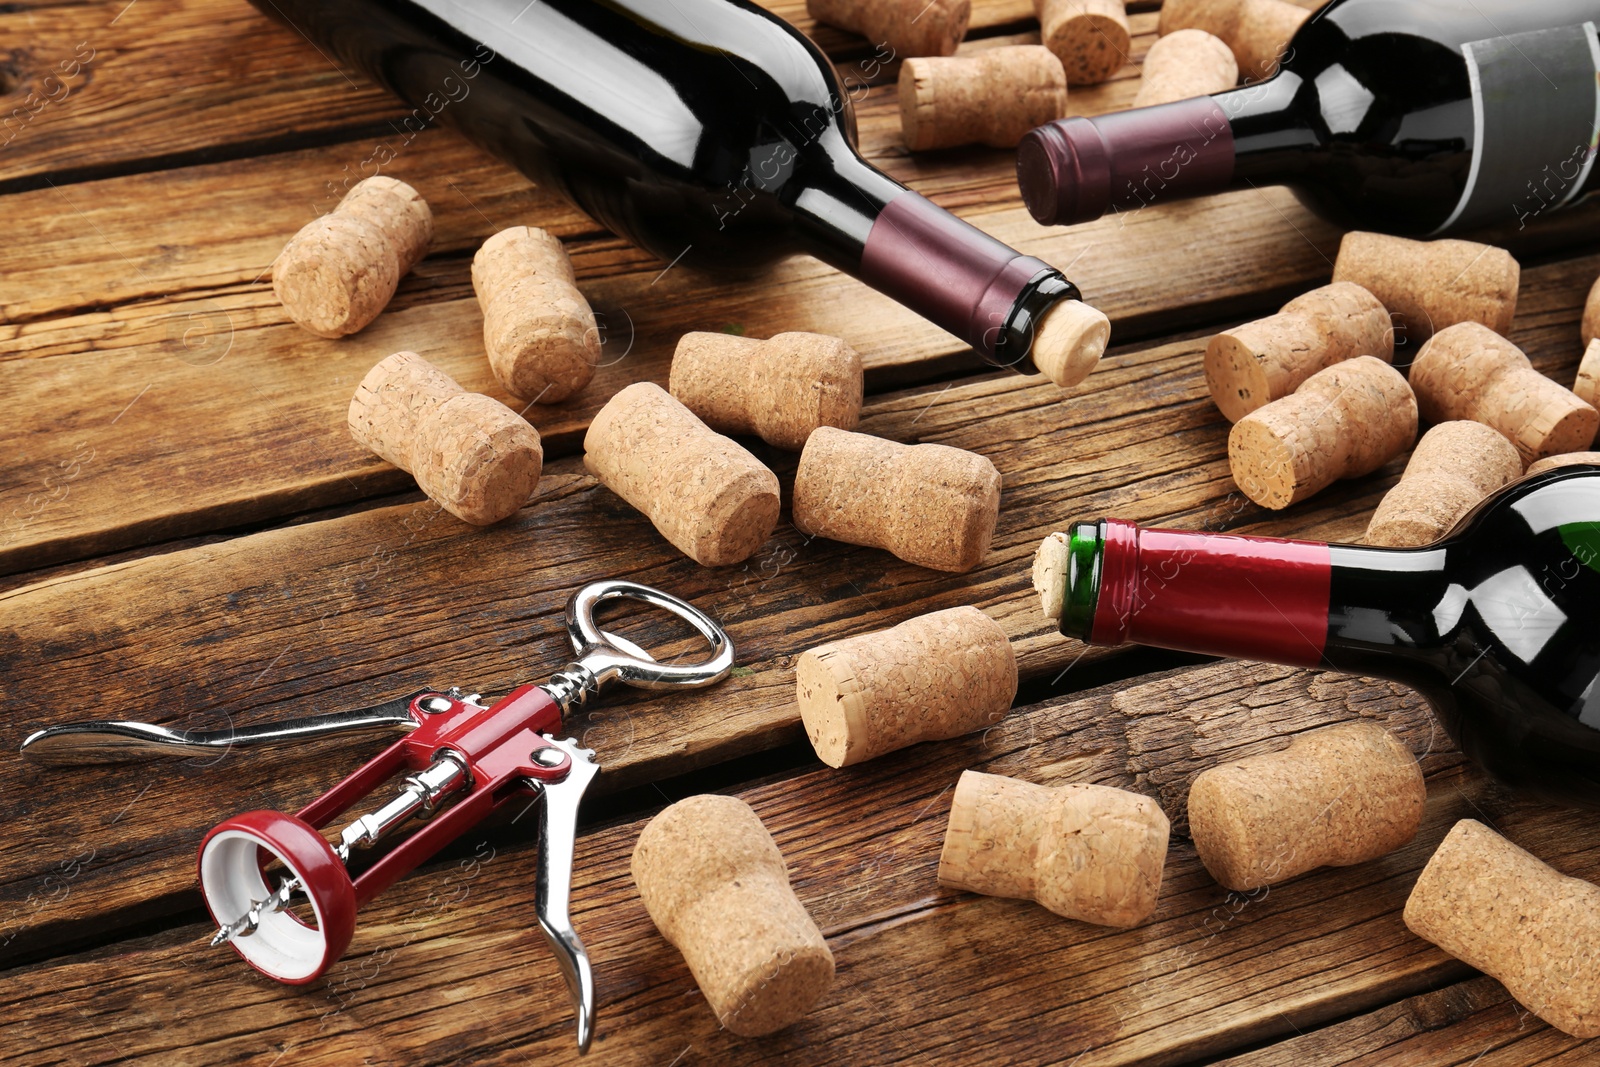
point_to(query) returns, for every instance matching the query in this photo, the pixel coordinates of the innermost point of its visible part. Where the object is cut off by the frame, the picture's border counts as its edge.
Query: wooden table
(189, 535)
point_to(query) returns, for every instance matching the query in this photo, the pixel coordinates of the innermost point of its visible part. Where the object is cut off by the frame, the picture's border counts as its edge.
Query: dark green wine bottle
(1497, 625)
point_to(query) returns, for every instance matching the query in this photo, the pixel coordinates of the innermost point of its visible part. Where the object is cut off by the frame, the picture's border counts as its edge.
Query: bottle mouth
(1064, 172)
(1013, 348)
(1082, 594)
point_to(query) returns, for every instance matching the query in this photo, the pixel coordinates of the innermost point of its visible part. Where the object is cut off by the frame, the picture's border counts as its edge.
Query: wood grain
(446, 969)
(162, 442)
(1473, 1023)
(145, 204)
(160, 83)
(197, 407)
(350, 610)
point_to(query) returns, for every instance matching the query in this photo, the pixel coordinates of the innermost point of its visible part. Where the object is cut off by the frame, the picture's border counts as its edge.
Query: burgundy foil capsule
(980, 289)
(1075, 170)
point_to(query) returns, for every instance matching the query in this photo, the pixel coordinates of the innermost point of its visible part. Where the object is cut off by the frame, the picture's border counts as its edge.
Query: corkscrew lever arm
(114, 741)
(558, 832)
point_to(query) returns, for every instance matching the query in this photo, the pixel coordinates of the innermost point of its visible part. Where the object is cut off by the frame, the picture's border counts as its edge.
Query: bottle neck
(1294, 602)
(1272, 141)
(1078, 169)
(947, 270)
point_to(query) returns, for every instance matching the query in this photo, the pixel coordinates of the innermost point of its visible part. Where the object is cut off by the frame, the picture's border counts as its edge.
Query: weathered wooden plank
(446, 969)
(210, 228)
(342, 612)
(215, 229)
(155, 442)
(1472, 1024)
(116, 87)
(124, 442)
(161, 325)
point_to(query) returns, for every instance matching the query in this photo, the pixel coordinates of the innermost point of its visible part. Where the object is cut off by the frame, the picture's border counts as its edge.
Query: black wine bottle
(1497, 625)
(1415, 117)
(708, 132)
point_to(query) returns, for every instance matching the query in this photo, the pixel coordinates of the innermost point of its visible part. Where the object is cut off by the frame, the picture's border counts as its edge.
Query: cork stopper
(540, 334)
(907, 27)
(339, 271)
(931, 505)
(470, 454)
(1090, 37)
(709, 497)
(1342, 422)
(779, 389)
(1185, 64)
(1336, 796)
(1587, 386)
(1468, 371)
(933, 677)
(1429, 285)
(1258, 31)
(716, 887)
(1455, 466)
(1266, 360)
(991, 98)
(1050, 562)
(1497, 908)
(1571, 459)
(1087, 852)
(1069, 341)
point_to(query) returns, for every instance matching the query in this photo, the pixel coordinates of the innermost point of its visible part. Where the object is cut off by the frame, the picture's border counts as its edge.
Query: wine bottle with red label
(1415, 117)
(710, 133)
(1497, 625)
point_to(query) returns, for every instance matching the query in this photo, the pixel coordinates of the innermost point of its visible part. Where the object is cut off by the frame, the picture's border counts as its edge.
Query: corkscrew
(464, 759)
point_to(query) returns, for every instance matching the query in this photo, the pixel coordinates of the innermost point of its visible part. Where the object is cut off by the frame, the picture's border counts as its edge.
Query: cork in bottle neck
(959, 277)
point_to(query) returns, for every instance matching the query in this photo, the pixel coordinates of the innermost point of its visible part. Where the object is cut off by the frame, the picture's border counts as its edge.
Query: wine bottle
(1497, 625)
(1415, 117)
(708, 132)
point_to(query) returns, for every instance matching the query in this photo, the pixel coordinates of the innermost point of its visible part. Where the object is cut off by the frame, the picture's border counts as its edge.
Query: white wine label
(1535, 112)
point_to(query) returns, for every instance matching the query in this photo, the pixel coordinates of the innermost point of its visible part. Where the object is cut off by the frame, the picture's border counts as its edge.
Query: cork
(1468, 371)
(931, 505)
(1185, 64)
(1069, 341)
(1088, 852)
(1590, 327)
(716, 887)
(539, 331)
(1262, 361)
(1571, 459)
(1342, 422)
(340, 270)
(779, 389)
(991, 98)
(1587, 386)
(1051, 561)
(933, 677)
(1429, 285)
(1455, 465)
(904, 27)
(1258, 31)
(1336, 796)
(469, 453)
(1090, 37)
(1497, 908)
(705, 494)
